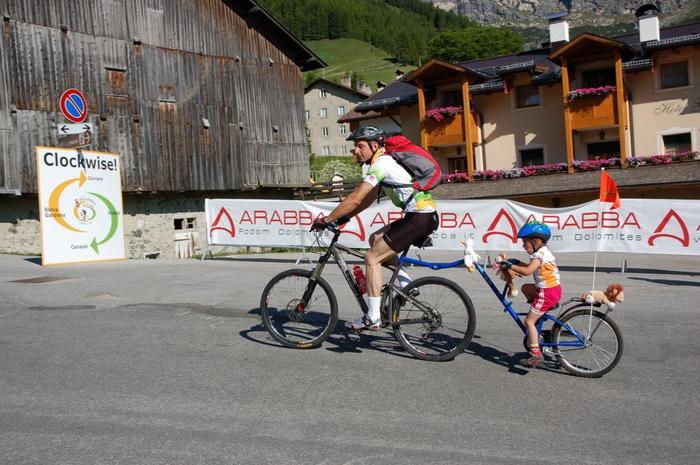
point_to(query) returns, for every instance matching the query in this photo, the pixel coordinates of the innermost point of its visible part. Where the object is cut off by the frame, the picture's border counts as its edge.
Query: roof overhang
(334, 85)
(277, 33)
(587, 45)
(437, 71)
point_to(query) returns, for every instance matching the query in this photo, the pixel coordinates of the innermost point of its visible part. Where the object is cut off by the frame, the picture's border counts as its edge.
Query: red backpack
(424, 169)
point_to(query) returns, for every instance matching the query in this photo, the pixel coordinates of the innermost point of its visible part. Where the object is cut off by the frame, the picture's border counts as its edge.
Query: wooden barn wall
(153, 73)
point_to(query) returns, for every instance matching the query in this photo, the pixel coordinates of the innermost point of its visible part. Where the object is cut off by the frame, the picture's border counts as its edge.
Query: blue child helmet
(535, 229)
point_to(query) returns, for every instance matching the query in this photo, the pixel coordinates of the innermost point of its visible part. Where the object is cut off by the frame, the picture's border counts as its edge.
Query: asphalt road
(166, 362)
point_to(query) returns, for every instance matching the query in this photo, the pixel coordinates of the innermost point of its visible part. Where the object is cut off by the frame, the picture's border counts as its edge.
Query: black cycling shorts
(410, 229)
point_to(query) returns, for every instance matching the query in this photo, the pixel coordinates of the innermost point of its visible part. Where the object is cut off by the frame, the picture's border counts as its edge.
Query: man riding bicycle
(419, 221)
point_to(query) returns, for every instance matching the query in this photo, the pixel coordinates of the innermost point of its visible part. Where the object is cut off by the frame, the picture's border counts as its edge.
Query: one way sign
(66, 129)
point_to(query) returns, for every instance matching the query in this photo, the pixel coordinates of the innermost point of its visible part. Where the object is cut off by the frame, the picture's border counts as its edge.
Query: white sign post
(80, 206)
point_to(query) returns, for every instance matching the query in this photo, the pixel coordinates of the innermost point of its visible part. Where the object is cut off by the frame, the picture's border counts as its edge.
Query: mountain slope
(370, 63)
(530, 13)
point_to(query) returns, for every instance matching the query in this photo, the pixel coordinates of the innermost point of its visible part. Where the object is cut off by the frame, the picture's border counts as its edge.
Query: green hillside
(354, 56)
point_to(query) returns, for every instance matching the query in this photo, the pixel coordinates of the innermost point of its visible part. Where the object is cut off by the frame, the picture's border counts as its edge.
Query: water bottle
(360, 279)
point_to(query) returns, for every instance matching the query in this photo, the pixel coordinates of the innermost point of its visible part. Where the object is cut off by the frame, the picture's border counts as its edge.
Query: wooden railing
(594, 111)
(326, 190)
(450, 131)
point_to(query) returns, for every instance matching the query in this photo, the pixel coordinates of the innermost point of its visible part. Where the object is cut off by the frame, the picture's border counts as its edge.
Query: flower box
(439, 114)
(579, 166)
(584, 92)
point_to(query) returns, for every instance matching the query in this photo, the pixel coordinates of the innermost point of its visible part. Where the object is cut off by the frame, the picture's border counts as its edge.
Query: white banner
(80, 206)
(654, 226)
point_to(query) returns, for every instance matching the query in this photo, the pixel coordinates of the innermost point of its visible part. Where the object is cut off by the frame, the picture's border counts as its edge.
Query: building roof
(337, 86)
(398, 93)
(278, 34)
(353, 115)
(546, 70)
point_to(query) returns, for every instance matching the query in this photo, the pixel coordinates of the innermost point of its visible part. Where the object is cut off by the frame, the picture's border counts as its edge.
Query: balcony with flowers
(593, 107)
(579, 166)
(445, 126)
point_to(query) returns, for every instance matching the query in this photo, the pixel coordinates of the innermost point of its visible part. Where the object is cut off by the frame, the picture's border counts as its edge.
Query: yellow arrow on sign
(56, 195)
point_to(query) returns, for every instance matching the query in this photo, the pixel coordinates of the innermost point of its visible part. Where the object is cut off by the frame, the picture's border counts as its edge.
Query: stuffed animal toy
(470, 257)
(612, 295)
(505, 275)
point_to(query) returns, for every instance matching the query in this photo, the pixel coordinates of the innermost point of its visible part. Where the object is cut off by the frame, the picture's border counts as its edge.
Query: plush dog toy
(505, 275)
(612, 295)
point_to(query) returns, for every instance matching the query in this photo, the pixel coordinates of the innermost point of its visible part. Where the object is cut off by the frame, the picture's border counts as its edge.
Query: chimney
(558, 28)
(363, 87)
(346, 80)
(380, 86)
(648, 19)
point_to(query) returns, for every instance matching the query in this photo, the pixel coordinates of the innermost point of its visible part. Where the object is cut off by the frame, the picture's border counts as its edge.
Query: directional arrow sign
(66, 129)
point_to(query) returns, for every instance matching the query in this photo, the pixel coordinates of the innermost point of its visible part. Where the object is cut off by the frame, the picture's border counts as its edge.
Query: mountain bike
(585, 342)
(432, 317)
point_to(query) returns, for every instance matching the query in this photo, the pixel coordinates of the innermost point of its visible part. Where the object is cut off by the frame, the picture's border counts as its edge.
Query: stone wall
(151, 222)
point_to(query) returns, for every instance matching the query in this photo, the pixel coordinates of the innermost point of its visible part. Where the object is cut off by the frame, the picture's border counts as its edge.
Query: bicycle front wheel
(601, 349)
(437, 322)
(288, 320)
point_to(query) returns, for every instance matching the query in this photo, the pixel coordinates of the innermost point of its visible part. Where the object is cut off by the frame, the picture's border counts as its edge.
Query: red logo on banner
(685, 240)
(223, 216)
(513, 231)
(360, 227)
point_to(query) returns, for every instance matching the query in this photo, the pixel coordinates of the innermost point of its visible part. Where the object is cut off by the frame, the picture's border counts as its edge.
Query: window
(531, 157)
(184, 223)
(527, 96)
(342, 129)
(341, 110)
(324, 132)
(322, 93)
(599, 77)
(677, 143)
(324, 113)
(457, 165)
(604, 150)
(307, 114)
(326, 150)
(674, 75)
(452, 99)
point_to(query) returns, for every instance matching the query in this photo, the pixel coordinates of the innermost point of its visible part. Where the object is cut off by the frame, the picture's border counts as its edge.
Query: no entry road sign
(73, 105)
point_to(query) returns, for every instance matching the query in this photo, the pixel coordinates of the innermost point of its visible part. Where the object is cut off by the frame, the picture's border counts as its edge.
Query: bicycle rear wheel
(287, 320)
(602, 348)
(436, 324)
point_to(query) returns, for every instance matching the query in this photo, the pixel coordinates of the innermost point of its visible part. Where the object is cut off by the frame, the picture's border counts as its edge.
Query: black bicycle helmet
(535, 229)
(368, 133)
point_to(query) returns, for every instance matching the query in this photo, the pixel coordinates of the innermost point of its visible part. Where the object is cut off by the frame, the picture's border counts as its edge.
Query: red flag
(608, 190)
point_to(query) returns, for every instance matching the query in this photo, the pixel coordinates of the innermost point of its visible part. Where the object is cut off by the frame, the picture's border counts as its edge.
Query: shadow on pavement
(347, 341)
(34, 260)
(508, 360)
(669, 282)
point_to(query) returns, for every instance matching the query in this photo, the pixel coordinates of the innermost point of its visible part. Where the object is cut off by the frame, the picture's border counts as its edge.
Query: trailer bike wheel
(437, 322)
(291, 323)
(602, 347)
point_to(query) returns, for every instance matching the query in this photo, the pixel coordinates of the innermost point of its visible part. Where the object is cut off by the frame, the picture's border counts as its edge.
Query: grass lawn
(347, 55)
